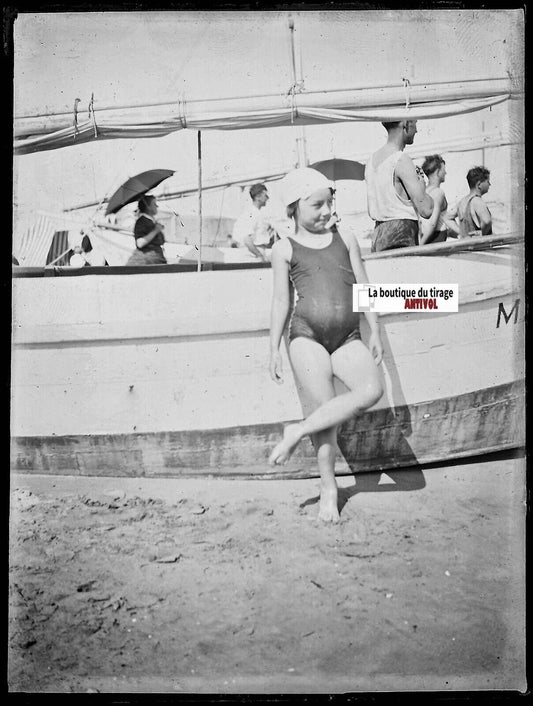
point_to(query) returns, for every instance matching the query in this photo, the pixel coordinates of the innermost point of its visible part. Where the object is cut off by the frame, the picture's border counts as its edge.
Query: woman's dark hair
(144, 203)
(86, 244)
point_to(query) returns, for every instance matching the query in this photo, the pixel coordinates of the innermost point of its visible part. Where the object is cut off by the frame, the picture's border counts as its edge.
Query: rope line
(219, 216)
(407, 88)
(297, 85)
(92, 114)
(75, 118)
(182, 112)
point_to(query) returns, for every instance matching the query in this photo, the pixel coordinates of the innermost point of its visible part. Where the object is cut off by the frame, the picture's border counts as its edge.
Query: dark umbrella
(335, 169)
(135, 187)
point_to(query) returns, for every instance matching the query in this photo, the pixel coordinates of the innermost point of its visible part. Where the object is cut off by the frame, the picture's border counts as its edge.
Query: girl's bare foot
(328, 510)
(284, 449)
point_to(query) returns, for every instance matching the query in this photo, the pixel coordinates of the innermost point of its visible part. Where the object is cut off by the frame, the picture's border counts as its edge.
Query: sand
(232, 586)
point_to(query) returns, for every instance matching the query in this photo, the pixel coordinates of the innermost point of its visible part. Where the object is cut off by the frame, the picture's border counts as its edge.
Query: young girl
(324, 330)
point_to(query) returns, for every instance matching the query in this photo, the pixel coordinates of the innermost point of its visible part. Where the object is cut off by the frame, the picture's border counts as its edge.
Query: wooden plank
(465, 425)
(188, 383)
(191, 304)
(450, 247)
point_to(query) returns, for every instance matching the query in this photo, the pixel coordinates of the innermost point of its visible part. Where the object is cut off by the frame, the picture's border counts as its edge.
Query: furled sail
(386, 103)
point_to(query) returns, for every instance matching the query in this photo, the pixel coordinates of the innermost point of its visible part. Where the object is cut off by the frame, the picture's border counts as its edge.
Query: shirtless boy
(472, 212)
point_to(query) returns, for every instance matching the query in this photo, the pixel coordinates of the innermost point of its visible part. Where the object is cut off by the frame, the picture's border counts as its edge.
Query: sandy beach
(206, 585)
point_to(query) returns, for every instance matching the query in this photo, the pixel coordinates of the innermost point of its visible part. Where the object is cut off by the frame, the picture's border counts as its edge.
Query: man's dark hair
(390, 126)
(477, 174)
(256, 189)
(432, 163)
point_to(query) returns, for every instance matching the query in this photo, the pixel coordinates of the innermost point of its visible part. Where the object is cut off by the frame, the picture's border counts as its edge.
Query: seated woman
(149, 235)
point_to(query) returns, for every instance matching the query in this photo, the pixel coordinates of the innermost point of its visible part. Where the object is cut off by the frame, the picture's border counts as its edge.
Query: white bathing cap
(301, 183)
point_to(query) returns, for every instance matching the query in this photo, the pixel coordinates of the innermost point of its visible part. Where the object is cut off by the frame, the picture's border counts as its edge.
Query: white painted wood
(92, 355)
(134, 387)
(99, 307)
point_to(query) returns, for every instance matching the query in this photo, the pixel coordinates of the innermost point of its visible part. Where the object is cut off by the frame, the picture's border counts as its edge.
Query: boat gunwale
(474, 244)
(240, 451)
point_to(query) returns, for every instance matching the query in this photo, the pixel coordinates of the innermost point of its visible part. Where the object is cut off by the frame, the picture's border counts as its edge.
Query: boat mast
(298, 87)
(199, 200)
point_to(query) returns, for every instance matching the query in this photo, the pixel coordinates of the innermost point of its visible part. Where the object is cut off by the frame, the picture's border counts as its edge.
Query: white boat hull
(167, 374)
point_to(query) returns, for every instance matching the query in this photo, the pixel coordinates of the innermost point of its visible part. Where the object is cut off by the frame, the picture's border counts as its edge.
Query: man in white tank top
(396, 191)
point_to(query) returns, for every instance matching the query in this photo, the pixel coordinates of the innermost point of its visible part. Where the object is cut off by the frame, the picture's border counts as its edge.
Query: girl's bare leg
(325, 443)
(354, 365)
(311, 364)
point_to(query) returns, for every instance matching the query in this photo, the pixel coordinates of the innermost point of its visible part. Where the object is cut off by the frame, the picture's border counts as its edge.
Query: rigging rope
(91, 113)
(297, 86)
(407, 88)
(219, 216)
(75, 120)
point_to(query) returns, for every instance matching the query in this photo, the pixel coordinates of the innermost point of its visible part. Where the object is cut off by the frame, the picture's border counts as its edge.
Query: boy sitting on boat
(472, 212)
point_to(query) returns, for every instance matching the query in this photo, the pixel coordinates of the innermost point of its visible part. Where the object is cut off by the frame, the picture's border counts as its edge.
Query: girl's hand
(376, 347)
(276, 368)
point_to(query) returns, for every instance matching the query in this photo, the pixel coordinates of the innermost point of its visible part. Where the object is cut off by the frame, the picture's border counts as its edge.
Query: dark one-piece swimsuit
(323, 280)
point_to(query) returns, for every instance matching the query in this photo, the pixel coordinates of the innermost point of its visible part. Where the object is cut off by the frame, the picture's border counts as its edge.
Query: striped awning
(34, 245)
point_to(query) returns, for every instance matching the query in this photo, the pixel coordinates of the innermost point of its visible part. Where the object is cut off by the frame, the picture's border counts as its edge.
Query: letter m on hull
(507, 316)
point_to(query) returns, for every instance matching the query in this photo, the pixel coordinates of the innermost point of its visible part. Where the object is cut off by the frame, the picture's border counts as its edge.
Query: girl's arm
(280, 304)
(359, 270)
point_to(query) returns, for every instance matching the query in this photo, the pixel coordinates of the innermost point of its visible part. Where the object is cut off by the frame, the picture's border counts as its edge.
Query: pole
(199, 200)
(298, 84)
(58, 257)
(301, 149)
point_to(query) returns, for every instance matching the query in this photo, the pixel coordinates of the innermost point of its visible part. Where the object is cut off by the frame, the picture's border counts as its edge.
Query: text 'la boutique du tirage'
(399, 297)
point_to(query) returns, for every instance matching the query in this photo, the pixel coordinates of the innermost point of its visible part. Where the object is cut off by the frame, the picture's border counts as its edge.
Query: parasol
(135, 187)
(336, 169)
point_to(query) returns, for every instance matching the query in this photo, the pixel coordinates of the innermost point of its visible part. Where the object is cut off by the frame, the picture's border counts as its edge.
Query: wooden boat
(175, 382)
(141, 372)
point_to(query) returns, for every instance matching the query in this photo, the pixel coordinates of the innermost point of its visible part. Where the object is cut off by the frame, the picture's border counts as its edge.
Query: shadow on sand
(398, 480)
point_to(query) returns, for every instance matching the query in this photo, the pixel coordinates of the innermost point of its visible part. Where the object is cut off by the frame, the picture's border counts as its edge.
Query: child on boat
(472, 212)
(436, 228)
(324, 338)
